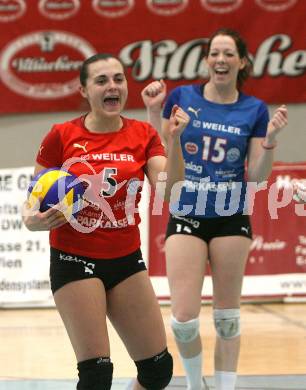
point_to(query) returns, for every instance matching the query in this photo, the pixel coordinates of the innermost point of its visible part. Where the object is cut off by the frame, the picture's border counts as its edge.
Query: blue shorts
(209, 228)
(67, 267)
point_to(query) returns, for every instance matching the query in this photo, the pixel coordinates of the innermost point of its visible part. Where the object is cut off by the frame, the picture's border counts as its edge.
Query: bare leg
(186, 261)
(82, 306)
(228, 257)
(135, 313)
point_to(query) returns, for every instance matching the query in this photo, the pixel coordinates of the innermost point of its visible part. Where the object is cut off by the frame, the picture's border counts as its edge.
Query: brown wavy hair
(242, 49)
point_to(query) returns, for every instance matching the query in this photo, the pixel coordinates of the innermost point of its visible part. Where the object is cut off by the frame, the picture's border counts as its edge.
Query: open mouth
(111, 100)
(221, 72)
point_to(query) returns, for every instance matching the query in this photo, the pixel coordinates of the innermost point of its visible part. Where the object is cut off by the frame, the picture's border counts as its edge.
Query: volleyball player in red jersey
(97, 269)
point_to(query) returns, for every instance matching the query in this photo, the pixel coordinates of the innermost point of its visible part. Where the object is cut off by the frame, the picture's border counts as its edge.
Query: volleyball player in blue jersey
(210, 223)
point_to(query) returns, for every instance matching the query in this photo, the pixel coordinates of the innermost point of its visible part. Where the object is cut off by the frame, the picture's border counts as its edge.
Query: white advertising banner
(24, 255)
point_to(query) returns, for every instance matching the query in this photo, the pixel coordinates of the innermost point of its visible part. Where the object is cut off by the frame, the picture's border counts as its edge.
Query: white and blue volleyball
(55, 185)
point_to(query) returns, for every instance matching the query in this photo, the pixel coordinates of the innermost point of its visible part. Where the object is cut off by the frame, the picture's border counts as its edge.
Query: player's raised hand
(153, 95)
(278, 121)
(178, 120)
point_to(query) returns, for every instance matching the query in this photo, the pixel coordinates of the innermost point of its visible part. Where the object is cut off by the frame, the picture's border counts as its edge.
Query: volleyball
(54, 185)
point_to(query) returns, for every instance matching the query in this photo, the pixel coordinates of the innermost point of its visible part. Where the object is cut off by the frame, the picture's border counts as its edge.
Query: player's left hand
(278, 121)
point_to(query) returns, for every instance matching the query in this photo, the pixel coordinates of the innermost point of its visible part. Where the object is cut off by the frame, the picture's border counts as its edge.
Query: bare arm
(172, 166)
(153, 96)
(261, 150)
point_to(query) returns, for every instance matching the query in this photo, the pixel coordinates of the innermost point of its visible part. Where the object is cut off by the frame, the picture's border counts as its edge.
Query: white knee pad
(227, 323)
(185, 331)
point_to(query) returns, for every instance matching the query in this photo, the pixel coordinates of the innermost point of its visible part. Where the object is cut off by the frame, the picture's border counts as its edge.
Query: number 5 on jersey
(109, 183)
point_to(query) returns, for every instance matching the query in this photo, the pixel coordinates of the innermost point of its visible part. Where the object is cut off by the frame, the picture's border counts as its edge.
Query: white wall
(21, 135)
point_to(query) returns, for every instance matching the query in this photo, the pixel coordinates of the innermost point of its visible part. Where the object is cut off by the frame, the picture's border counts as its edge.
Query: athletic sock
(225, 380)
(193, 370)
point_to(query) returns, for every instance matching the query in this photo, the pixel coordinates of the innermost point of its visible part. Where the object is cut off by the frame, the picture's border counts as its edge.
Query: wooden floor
(33, 343)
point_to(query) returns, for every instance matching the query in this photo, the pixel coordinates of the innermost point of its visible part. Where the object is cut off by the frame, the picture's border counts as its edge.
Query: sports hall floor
(35, 353)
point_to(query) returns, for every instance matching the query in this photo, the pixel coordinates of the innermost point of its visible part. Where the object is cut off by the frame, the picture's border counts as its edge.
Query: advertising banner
(277, 261)
(24, 255)
(44, 42)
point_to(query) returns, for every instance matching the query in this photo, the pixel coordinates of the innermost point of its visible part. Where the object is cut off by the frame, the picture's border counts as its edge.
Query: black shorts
(208, 228)
(67, 267)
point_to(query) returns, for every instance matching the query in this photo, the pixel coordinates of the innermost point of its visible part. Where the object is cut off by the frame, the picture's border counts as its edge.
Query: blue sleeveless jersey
(215, 146)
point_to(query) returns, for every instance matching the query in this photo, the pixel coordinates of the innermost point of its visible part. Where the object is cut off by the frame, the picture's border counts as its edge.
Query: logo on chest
(232, 155)
(80, 146)
(194, 111)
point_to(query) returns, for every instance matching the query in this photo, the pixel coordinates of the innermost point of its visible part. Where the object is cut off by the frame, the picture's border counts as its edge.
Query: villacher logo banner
(44, 42)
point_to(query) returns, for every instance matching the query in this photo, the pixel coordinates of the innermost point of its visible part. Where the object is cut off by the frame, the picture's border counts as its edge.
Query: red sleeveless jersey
(114, 164)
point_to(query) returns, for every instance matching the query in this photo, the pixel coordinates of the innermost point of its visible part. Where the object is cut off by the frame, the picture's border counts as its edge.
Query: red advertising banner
(43, 43)
(277, 260)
